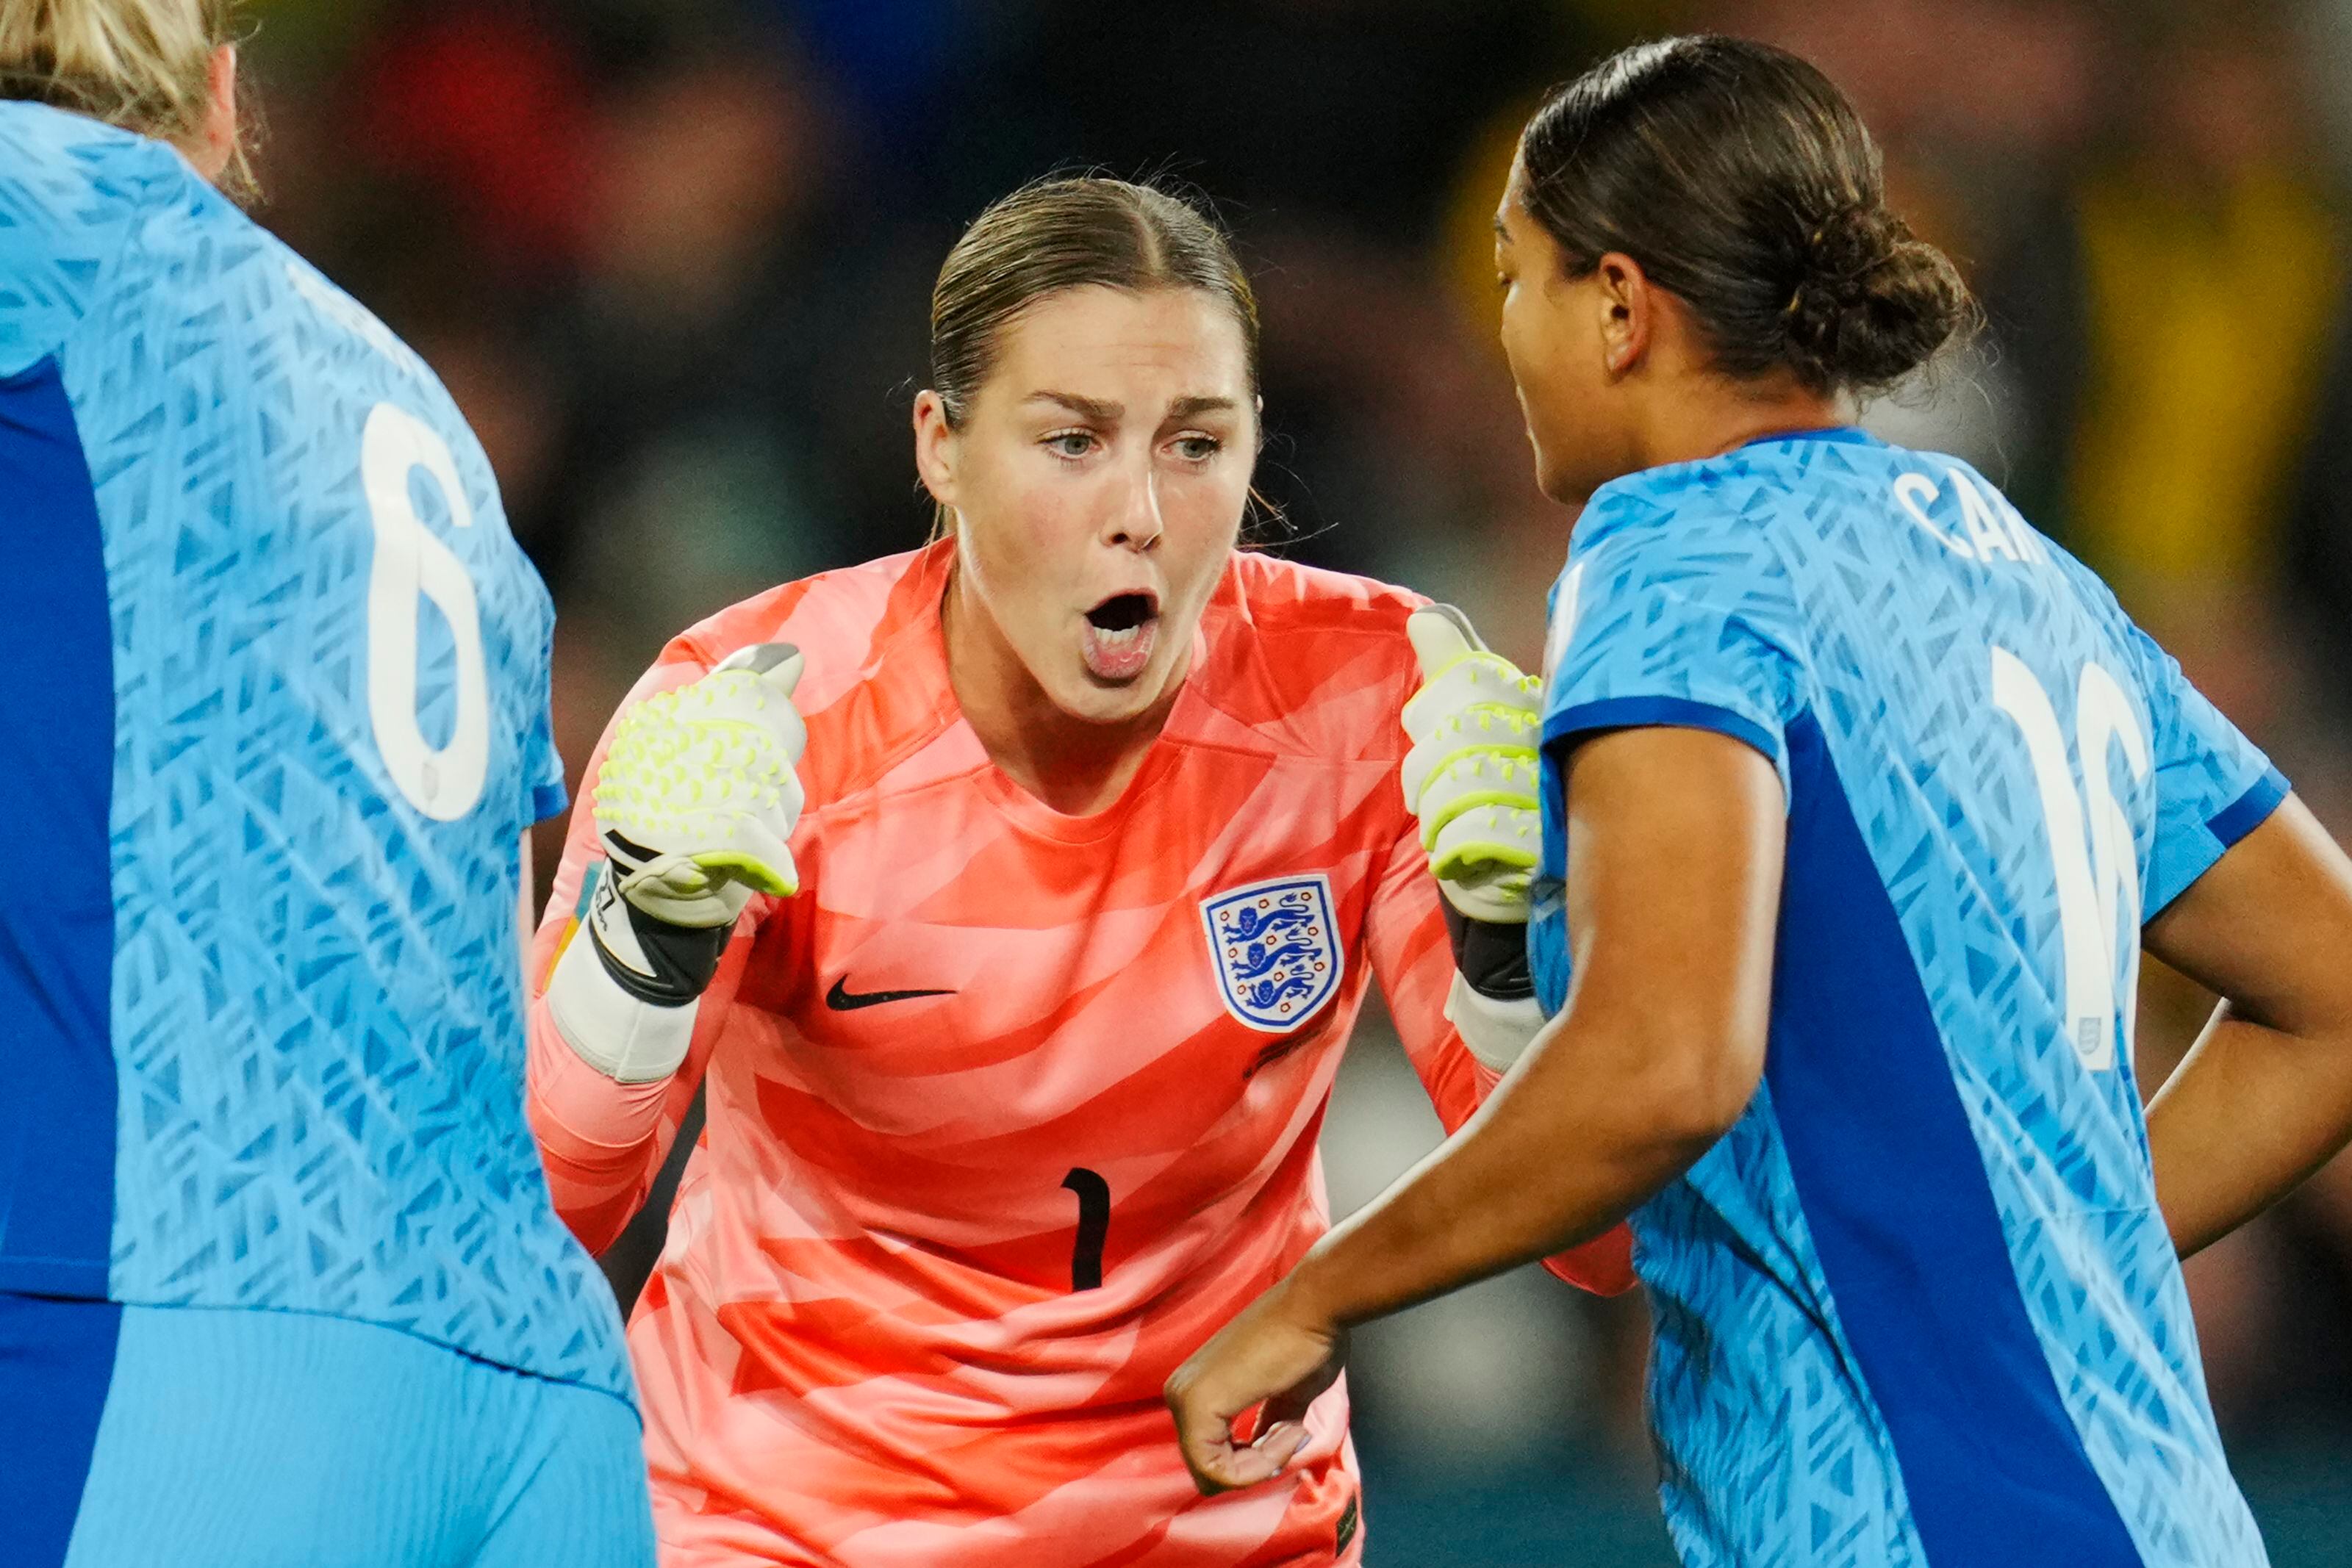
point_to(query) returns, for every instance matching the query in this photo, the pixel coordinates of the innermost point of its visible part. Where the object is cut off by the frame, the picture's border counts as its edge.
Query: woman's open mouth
(1120, 635)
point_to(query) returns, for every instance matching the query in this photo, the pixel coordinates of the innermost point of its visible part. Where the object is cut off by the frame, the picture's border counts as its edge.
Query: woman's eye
(1198, 448)
(1071, 444)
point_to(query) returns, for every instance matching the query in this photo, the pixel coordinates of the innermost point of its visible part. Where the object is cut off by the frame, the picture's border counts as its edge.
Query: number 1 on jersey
(2093, 858)
(1094, 1225)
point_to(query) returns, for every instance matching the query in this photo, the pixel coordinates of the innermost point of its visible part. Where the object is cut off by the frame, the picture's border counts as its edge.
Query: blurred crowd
(673, 260)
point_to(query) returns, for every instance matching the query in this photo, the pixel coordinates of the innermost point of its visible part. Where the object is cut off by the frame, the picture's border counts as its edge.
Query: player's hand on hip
(1470, 775)
(1280, 1351)
(698, 794)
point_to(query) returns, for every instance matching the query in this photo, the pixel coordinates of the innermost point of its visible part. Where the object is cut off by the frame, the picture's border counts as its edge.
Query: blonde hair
(142, 64)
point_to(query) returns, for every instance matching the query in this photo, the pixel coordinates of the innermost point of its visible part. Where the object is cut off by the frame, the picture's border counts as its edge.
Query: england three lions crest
(1276, 947)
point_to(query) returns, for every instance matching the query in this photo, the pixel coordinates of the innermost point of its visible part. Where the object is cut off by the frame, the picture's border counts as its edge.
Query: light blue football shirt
(278, 686)
(1918, 1306)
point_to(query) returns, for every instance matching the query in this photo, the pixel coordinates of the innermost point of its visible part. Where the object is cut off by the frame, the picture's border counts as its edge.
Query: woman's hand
(1282, 1350)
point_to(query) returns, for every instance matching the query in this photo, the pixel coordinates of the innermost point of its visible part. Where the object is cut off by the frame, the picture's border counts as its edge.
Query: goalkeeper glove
(1470, 778)
(695, 804)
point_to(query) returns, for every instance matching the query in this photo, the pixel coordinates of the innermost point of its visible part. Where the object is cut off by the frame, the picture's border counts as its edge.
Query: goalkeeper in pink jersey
(1014, 899)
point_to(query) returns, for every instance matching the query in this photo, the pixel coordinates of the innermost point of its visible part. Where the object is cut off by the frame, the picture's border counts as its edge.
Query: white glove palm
(1470, 775)
(698, 797)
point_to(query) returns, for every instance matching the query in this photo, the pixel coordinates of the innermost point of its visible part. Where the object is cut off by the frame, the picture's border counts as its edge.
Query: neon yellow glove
(1470, 775)
(695, 804)
(698, 797)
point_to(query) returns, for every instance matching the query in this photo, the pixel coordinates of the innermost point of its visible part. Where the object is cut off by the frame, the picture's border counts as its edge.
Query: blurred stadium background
(674, 256)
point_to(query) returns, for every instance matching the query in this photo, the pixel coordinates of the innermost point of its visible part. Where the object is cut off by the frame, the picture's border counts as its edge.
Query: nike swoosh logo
(842, 1000)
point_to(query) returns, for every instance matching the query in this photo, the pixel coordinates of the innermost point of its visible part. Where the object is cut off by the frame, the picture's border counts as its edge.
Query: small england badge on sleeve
(1276, 947)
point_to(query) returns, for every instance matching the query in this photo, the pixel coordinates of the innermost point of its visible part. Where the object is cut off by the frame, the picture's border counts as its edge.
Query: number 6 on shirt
(412, 564)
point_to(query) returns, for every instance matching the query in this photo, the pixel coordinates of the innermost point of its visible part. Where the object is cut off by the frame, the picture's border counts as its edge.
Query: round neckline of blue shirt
(1852, 434)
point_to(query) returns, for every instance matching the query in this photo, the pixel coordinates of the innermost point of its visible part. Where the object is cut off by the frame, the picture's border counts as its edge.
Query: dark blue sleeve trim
(1674, 713)
(2249, 810)
(549, 800)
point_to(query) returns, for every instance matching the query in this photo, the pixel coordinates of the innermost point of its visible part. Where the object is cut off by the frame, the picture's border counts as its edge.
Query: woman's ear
(212, 148)
(935, 443)
(1629, 313)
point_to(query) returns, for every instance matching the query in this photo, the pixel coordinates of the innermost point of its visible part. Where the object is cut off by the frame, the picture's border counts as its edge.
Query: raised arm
(645, 937)
(2264, 1098)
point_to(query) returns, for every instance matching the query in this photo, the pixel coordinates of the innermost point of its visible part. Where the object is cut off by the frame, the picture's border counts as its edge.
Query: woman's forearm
(1506, 1190)
(2248, 1115)
(2266, 1097)
(1673, 900)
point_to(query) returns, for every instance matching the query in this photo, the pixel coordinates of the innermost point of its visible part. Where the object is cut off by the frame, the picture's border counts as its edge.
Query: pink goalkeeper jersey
(1009, 1111)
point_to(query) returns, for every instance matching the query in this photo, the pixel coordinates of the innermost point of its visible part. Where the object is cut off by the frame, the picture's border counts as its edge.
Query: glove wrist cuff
(1496, 1032)
(626, 1039)
(1491, 957)
(652, 960)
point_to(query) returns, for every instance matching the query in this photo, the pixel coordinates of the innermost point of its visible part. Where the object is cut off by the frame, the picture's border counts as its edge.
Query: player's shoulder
(1312, 600)
(74, 193)
(1308, 659)
(843, 620)
(1756, 493)
(71, 170)
(311, 292)
(95, 220)
(104, 205)
(1690, 526)
(1749, 517)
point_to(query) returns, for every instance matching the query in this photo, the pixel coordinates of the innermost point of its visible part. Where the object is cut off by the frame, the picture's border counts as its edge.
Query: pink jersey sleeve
(603, 1141)
(1414, 960)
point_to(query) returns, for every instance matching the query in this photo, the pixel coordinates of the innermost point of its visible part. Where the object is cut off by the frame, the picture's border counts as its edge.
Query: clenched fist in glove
(1471, 779)
(695, 805)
